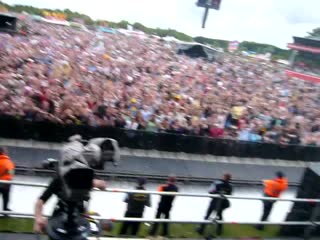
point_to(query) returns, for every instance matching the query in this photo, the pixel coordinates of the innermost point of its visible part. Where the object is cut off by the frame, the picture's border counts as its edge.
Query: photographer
(72, 186)
(56, 188)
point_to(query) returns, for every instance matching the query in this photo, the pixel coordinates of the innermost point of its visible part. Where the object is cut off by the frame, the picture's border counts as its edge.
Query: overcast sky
(265, 21)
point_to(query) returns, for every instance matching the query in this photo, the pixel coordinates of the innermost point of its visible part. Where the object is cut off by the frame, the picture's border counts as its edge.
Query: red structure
(307, 49)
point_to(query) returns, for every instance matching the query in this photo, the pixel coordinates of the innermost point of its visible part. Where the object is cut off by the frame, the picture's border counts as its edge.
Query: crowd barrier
(309, 225)
(12, 127)
(181, 194)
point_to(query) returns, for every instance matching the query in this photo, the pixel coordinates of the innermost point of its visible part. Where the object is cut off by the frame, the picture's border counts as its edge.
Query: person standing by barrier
(218, 205)
(6, 174)
(165, 205)
(135, 208)
(272, 188)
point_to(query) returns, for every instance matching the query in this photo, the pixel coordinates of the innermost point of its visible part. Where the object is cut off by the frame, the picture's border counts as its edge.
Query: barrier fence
(12, 127)
(145, 220)
(118, 190)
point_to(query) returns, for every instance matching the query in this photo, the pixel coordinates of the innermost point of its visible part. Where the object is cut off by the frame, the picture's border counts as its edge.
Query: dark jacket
(165, 203)
(221, 187)
(137, 201)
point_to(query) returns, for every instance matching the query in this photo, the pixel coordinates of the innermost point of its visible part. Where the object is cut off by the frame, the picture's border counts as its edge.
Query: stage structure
(198, 50)
(305, 59)
(8, 23)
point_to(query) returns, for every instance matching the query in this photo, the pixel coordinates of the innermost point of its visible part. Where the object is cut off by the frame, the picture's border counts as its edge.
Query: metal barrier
(145, 220)
(117, 190)
(309, 224)
(12, 127)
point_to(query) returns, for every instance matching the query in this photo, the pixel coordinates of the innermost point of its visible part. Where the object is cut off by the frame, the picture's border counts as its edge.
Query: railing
(11, 127)
(309, 225)
(181, 194)
(157, 220)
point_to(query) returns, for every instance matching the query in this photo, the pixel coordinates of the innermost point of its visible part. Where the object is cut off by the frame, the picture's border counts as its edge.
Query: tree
(264, 48)
(247, 46)
(123, 24)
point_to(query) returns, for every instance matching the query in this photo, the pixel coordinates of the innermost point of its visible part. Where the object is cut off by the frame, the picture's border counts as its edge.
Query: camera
(76, 174)
(96, 151)
(109, 152)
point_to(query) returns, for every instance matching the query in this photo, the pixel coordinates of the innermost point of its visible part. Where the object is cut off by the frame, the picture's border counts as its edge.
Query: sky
(264, 21)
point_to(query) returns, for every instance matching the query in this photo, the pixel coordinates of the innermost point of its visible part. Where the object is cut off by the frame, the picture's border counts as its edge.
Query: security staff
(6, 174)
(165, 205)
(135, 208)
(272, 188)
(218, 205)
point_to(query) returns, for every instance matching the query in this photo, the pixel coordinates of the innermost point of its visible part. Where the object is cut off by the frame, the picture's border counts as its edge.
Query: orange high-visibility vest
(6, 168)
(161, 187)
(274, 187)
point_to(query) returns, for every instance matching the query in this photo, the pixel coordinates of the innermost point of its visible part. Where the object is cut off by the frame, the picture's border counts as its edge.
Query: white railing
(205, 195)
(157, 220)
(115, 190)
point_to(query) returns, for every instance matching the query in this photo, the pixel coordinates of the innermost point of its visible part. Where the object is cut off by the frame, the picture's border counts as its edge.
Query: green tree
(264, 48)
(123, 24)
(247, 46)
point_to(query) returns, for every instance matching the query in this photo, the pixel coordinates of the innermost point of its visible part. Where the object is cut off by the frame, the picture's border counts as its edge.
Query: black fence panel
(12, 127)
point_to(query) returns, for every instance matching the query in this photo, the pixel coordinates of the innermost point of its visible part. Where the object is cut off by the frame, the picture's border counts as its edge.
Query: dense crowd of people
(73, 76)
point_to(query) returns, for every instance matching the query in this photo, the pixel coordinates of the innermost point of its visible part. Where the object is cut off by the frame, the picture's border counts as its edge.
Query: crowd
(72, 76)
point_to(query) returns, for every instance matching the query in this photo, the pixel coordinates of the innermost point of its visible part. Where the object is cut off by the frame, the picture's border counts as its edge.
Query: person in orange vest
(6, 174)
(272, 188)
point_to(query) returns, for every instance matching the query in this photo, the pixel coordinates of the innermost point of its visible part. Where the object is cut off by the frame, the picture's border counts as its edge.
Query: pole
(205, 16)
(292, 58)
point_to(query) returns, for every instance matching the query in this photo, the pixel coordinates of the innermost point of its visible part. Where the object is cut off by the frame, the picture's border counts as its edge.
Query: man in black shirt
(165, 205)
(56, 188)
(218, 205)
(135, 208)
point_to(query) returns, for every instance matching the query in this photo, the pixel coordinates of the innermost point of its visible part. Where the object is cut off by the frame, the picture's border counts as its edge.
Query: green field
(177, 230)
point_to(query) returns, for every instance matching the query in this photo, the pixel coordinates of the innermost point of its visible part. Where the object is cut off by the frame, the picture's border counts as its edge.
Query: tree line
(259, 48)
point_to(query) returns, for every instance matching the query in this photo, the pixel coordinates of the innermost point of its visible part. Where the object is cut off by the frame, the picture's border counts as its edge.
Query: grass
(177, 230)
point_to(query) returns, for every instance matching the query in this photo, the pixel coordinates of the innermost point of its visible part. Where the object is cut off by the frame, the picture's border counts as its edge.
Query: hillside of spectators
(72, 76)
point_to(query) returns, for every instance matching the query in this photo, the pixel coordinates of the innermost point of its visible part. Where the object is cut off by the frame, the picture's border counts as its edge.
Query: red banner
(303, 76)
